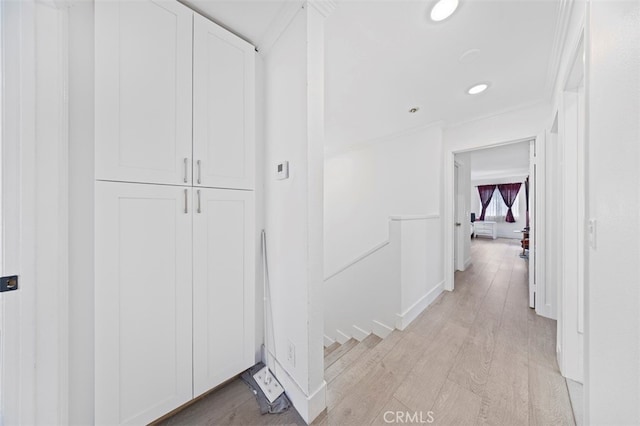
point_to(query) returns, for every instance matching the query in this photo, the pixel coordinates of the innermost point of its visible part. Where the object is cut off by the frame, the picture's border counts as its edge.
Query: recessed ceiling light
(443, 9)
(414, 110)
(478, 88)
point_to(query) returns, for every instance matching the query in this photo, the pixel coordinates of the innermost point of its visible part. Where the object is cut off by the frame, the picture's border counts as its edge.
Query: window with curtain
(497, 209)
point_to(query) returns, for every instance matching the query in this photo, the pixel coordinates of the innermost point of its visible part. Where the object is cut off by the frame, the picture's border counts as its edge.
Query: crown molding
(278, 26)
(355, 146)
(201, 12)
(558, 46)
(512, 109)
(324, 7)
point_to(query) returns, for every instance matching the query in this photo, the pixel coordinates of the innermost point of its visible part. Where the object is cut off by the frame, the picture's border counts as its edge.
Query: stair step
(339, 352)
(345, 382)
(331, 348)
(333, 370)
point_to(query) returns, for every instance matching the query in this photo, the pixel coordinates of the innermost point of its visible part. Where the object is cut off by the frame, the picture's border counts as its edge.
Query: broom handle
(263, 240)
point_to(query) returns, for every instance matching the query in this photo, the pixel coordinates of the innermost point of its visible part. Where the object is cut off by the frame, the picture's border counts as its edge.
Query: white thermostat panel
(282, 170)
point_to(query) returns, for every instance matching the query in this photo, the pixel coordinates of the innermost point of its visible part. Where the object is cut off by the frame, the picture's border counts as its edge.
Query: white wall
(259, 196)
(613, 149)
(421, 276)
(367, 291)
(294, 94)
(505, 229)
(363, 187)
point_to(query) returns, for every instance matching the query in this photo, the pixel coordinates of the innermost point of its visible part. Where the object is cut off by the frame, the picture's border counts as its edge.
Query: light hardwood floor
(477, 355)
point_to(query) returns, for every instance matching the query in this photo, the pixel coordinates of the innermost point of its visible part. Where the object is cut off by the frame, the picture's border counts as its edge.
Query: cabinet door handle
(186, 201)
(186, 169)
(199, 172)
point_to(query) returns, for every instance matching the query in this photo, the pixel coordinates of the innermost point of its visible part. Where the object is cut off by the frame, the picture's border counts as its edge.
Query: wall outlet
(291, 353)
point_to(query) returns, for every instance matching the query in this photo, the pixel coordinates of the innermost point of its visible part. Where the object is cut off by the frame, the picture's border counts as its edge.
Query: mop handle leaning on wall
(266, 301)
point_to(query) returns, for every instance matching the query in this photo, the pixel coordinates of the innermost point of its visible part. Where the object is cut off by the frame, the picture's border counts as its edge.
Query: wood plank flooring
(477, 355)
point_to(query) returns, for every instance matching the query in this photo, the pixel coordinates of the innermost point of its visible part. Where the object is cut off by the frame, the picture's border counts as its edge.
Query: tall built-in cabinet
(174, 208)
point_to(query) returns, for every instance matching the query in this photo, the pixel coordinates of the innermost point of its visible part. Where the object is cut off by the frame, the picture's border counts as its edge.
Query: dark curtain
(509, 192)
(526, 192)
(486, 192)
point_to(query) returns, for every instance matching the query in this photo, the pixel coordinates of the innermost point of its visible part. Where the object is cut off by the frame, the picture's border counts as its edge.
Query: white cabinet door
(223, 286)
(143, 91)
(223, 107)
(143, 301)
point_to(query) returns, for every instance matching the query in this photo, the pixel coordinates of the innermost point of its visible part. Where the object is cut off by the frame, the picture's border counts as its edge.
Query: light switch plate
(282, 170)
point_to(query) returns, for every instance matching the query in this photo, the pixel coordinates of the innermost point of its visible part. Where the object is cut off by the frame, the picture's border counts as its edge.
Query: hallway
(477, 355)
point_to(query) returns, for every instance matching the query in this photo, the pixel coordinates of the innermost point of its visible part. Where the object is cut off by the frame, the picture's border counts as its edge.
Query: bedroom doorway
(493, 194)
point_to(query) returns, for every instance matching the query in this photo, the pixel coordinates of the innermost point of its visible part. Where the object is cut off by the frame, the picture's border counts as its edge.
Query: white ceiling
(384, 57)
(503, 161)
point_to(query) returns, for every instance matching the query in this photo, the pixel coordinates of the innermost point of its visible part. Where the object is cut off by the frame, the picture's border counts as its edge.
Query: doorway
(504, 170)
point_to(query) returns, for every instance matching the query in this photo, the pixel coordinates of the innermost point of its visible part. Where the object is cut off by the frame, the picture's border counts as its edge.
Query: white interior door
(223, 285)
(17, 112)
(143, 91)
(224, 103)
(143, 301)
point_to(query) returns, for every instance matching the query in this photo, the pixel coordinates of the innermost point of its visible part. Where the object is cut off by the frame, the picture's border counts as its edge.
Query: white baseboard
(341, 337)
(328, 341)
(308, 406)
(546, 311)
(467, 263)
(404, 319)
(379, 329)
(317, 403)
(360, 334)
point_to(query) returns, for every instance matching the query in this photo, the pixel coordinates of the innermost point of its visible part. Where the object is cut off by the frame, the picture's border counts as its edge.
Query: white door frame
(571, 136)
(448, 208)
(533, 220)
